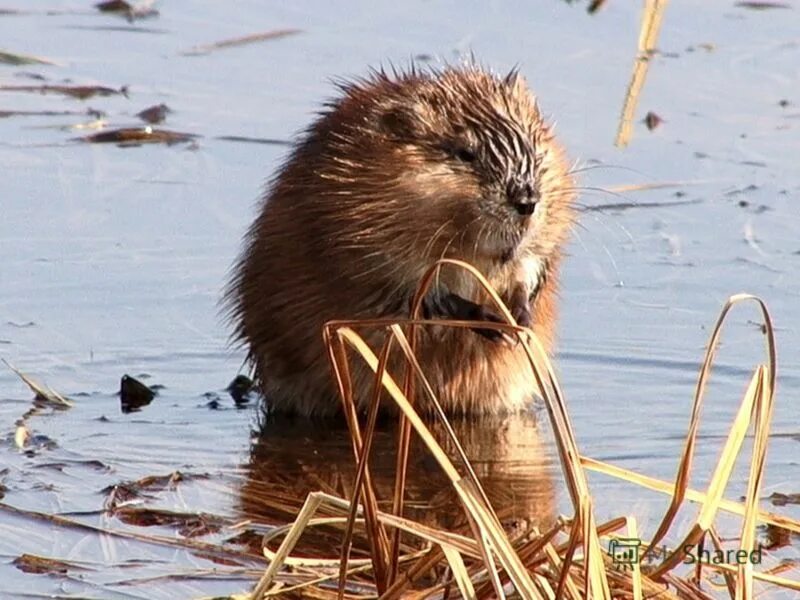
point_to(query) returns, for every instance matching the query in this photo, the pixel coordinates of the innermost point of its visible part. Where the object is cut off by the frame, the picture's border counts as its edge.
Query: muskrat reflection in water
(290, 458)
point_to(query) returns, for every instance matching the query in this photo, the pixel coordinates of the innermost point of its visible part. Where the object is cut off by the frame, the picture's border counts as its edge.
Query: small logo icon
(624, 551)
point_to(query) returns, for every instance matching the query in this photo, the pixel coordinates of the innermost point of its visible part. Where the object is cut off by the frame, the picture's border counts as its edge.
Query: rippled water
(113, 258)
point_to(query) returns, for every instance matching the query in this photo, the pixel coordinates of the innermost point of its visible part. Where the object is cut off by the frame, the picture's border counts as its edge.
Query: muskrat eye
(465, 155)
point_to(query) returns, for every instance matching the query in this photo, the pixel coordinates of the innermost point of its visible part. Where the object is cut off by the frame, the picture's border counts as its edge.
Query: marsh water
(112, 260)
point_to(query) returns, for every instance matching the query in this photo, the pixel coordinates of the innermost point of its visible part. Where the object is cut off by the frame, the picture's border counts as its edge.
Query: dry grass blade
(305, 519)
(264, 36)
(304, 516)
(14, 58)
(633, 533)
(490, 563)
(568, 451)
(460, 573)
(684, 467)
(43, 393)
(473, 500)
(648, 36)
(378, 539)
(657, 485)
(380, 566)
(763, 419)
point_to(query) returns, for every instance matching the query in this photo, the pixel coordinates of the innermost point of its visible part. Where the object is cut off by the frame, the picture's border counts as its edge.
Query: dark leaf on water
(79, 92)
(757, 5)
(127, 10)
(595, 5)
(126, 491)
(133, 394)
(39, 442)
(154, 483)
(113, 6)
(136, 136)
(154, 114)
(775, 537)
(188, 524)
(30, 563)
(3, 486)
(779, 499)
(652, 120)
(240, 389)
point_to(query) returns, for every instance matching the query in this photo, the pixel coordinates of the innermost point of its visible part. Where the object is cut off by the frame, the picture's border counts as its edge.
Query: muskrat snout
(522, 196)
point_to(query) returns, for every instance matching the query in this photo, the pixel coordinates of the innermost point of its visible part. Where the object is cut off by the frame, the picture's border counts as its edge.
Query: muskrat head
(463, 155)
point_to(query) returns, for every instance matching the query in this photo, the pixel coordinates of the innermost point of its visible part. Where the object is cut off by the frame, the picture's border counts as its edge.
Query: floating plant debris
(779, 499)
(629, 205)
(136, 136)
(133, 394)
(154, 114)
(80, 92)
(41, 565)
(252, 140)
(127, 10)
(24, 325)
(652, 120)
(775, 537)
(44, 394)
(126, 491)
(37, 113)
(188, 524)
(241, 41)
(240, 389)
(757, 5)
(594, 6)
(13, 58)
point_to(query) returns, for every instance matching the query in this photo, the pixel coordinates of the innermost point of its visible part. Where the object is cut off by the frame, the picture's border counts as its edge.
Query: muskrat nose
(523, 197)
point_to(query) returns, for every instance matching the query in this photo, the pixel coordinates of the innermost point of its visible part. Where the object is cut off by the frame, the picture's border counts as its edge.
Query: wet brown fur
(366, 202)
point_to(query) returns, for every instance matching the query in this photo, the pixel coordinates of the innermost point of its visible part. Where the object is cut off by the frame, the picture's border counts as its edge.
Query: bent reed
(570, 560)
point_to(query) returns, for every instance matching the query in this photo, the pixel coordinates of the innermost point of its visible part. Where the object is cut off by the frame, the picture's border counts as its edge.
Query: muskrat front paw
(453, 306)
(520, 306)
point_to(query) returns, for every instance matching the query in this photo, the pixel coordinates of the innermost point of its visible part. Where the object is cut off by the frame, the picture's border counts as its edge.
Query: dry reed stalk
(485, 564)
(652, 16)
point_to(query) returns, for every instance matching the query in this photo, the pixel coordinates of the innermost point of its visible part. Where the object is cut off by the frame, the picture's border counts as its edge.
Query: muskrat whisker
(593, 167)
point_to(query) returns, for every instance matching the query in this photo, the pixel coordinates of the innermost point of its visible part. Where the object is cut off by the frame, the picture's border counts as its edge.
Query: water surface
(113, 258)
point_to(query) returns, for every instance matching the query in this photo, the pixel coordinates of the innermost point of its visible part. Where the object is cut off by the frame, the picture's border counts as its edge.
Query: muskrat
(402, 169)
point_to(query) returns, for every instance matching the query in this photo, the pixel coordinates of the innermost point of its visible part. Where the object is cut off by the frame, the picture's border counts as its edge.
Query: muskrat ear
(397, 122)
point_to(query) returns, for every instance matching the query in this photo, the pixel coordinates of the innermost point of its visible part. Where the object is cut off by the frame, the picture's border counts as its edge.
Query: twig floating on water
(252, 140)
(13, 58)
(241, 41)
(627, 205)
(762, 5)
(80, 92)
(136, 136)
